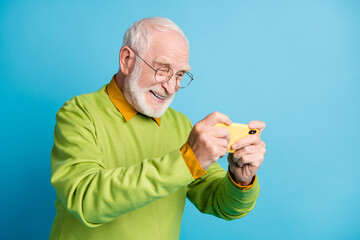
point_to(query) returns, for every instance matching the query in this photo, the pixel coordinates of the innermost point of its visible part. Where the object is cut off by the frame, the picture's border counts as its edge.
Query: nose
(170, 86)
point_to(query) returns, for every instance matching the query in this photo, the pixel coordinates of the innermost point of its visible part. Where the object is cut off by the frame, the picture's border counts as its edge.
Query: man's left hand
(248, 156)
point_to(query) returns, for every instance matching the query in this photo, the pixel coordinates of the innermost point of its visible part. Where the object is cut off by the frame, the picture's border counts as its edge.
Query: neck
(119, 79)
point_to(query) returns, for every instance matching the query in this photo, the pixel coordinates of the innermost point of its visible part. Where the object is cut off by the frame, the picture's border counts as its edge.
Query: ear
(126, 60)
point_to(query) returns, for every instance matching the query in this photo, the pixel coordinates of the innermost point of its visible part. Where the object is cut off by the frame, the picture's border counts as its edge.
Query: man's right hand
(210, 143)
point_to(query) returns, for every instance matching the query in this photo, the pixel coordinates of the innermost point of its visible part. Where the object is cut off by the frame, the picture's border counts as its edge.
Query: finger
(215, 118)
(246, 141)
(224, 151)
(222, 143)
(251, 149)
(221, 132)
(220, 148)
(248, 159)
(260, 153)
(257, 124)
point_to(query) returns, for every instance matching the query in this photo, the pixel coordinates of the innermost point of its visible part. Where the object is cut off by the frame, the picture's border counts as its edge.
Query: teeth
(158, 96)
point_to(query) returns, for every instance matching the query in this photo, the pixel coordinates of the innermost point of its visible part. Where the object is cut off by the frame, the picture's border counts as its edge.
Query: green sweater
(128, 180)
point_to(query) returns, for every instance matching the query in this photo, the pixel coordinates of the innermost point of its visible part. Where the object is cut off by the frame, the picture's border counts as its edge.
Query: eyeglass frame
(156, 70)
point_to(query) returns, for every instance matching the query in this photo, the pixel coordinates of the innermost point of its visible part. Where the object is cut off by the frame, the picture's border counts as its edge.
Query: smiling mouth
(158, 96)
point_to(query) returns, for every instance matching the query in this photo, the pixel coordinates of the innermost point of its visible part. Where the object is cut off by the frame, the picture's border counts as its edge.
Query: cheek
(146, 80)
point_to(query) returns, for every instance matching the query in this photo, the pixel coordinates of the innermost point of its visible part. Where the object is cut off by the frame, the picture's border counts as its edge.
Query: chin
(154, 112)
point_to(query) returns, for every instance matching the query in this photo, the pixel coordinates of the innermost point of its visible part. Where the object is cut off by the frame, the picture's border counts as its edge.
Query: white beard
(138, 96)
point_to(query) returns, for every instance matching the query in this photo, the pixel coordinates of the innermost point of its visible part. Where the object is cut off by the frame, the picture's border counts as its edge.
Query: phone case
(237, 131)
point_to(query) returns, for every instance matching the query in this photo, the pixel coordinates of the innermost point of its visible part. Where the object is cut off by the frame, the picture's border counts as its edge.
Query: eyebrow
(166, 63)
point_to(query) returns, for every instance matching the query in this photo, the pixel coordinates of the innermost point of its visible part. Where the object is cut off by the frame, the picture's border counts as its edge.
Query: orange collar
(119, 100)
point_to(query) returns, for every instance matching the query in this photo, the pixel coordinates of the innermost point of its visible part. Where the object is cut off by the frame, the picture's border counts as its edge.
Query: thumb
(215, 118)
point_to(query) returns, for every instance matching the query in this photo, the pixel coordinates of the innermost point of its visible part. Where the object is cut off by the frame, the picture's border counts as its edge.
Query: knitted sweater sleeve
(95, 194)
(215, 194)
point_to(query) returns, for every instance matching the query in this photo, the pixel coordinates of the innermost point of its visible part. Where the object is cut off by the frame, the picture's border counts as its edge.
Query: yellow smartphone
(237, 131)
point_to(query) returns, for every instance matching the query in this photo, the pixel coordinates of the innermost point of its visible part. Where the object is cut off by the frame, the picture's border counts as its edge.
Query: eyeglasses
(164, 74)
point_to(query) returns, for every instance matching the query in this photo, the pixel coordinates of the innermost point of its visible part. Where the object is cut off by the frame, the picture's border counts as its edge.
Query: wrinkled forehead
(169, 48)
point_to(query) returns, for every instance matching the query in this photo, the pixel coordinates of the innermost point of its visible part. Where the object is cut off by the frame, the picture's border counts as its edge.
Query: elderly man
(123, 163)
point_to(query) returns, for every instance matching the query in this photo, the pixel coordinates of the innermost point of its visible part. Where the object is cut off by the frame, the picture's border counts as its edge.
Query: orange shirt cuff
(191, 161)
(240, 186)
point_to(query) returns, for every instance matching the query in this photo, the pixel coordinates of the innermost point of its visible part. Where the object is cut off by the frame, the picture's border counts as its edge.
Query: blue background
(293, 64)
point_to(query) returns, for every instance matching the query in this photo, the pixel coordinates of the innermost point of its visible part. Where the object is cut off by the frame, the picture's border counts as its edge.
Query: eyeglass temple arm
(143, 60)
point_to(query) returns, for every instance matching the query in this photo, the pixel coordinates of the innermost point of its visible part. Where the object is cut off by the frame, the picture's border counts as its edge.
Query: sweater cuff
(240, 186)
(191, 161)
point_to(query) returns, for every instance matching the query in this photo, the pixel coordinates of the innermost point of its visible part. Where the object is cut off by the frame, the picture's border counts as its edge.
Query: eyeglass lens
(164, 74)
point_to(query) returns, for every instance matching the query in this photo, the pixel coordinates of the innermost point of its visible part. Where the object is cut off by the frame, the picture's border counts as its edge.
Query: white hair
(139, 34)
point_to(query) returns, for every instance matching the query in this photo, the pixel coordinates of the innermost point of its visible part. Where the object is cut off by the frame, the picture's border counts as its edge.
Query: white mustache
(161, 92)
